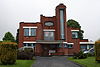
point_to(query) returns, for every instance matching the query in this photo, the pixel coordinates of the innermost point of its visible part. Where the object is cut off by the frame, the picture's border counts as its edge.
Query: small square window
(74, 34)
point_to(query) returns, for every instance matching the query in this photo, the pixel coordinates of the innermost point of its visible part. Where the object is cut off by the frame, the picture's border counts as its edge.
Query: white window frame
(30, 29)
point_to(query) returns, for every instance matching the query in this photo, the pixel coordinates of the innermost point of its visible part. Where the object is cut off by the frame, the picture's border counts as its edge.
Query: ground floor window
(68, 45)
(86, 47)
(59, 45)
(29, 44)
(83, 47)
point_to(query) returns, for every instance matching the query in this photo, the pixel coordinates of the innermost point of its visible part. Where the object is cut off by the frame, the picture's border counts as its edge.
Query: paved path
(55, 61)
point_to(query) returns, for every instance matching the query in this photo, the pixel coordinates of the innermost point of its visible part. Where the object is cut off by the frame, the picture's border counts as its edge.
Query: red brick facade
(60, 46)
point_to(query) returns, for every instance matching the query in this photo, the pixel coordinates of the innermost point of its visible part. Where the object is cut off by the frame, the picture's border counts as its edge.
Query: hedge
(8, 52)
(97, 50)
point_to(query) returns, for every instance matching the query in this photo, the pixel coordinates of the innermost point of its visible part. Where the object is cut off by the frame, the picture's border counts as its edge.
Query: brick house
(51, 36)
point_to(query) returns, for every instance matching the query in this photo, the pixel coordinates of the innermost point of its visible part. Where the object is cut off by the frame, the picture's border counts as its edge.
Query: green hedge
(8, 52)
(97, 50)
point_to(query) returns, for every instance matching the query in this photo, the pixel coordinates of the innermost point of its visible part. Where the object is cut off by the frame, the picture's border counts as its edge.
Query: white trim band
(30, 27)
(74, 30)
(49, 30)
(65, 42)
(29, 42)
(70, 43)
(86, 42)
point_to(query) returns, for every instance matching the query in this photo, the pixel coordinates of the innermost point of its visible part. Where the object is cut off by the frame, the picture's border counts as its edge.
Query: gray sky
(86, 12)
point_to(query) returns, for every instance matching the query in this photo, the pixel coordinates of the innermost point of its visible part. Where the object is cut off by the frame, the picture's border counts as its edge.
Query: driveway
(55, 61)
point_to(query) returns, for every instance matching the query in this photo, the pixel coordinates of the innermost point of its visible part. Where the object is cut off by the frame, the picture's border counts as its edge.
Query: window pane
(74, 34)
(70, 45)
(48, 35)
(26, 32)
(62, 23)
(59, 45)
(29, 44)
(33, 32)
(65, 45)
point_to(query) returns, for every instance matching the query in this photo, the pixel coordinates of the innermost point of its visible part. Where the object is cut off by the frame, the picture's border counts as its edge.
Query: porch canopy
(49, 42)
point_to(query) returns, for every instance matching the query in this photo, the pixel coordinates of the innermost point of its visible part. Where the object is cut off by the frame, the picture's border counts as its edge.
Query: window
(49, 23)
(26, 32)
(62, 24)
(48, 35)
(68, 45)
(83, 47)
(29, 32)
(59, 45)
(33, 32)
(74, 34)
(65, 45)
(29, 44)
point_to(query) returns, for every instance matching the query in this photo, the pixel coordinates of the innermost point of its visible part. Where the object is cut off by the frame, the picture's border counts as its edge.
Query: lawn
(88, 62)
(20, 63)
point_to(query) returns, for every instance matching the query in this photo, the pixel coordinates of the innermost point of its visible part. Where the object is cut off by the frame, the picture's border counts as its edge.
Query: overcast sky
(86, 12)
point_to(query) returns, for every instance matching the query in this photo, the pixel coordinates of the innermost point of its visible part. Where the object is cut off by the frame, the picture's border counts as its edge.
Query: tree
(74, 24)
(8, 37)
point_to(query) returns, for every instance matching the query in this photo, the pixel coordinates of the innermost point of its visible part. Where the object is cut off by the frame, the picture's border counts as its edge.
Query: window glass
(90, 46)
(61, 23)
(74, 34)
(59, 45)
(48, 35)
(68, 45)
(26, 32)
(65, 45)
(29, 44)
(83, 47)
(49, 23)
(33, 32)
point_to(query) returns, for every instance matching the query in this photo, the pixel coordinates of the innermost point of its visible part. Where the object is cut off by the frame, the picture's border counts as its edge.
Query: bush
(90, 54)
(26, 54)
(80, 55)
(8, 52)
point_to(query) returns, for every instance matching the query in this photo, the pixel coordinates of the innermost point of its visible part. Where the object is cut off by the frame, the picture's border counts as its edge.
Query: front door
(45, 50)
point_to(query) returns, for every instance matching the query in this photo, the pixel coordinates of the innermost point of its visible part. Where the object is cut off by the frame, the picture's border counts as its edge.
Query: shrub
(26, 54)
(8, 52)
(80, 55)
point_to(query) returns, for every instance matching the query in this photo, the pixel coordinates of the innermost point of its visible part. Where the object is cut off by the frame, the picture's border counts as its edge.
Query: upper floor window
(29, 32)
(48, 35)
(26, 32)
(49, 23)
(74, 34)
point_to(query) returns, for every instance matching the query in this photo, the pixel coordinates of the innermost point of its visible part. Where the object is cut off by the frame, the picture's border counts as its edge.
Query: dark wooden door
(45, 50)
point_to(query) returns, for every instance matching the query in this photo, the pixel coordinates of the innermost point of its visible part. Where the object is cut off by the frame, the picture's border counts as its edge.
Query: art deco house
(51, 36)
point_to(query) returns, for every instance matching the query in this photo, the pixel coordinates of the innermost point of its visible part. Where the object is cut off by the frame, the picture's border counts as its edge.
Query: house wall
(40, 34)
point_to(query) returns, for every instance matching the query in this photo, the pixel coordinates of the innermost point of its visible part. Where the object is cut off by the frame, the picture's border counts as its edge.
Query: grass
(88, 62)
(20, 63)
